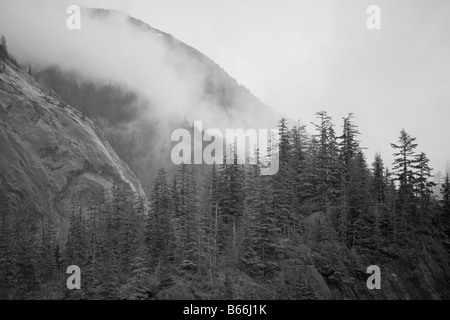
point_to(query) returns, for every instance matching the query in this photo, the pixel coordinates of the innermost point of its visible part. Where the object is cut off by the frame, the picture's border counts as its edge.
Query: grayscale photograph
(225, 150)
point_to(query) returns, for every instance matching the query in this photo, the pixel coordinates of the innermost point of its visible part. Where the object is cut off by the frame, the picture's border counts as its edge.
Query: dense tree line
(233, 224)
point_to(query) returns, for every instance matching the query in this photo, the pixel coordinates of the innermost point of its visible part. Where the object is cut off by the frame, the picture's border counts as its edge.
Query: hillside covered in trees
(308, 232)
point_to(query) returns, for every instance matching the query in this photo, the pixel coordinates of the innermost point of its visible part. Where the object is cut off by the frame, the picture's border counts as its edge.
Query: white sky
(303, 56)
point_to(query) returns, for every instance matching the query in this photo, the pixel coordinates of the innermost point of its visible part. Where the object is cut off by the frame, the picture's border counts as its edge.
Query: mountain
(219, 86)
(51, 155)
(138, 123)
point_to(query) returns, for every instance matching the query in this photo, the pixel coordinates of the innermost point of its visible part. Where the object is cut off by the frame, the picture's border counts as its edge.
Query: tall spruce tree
(403, 166)
(423, 187)
(348, 145)
(378, 181)
(160, 238)
(325, 162)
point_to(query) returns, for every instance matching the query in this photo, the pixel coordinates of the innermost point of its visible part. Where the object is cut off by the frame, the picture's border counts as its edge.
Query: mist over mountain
(137, 83)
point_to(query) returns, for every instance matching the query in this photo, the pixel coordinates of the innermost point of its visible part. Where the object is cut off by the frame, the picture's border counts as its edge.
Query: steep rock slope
(51, 156)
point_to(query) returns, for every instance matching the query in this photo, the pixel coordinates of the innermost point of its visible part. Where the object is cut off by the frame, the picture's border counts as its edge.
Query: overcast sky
(300, 57)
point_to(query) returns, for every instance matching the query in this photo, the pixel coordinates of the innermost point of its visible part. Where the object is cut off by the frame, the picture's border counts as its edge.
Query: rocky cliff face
(51, 156)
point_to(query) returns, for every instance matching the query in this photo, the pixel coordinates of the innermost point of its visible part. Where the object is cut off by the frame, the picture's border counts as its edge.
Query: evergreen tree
(404, 161)
(359, 219)
(159, 236)
(266, 229)
(378, 181)
(283, 183)
(325, 163)
(390, 216)
(445, 191)
(3, 48)
(423, 186)
(47, 262)
(127, 224)
(210, 218)
(187, 216)
(136, 287)
(231, 204)
(349, 145)
(300, 145)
